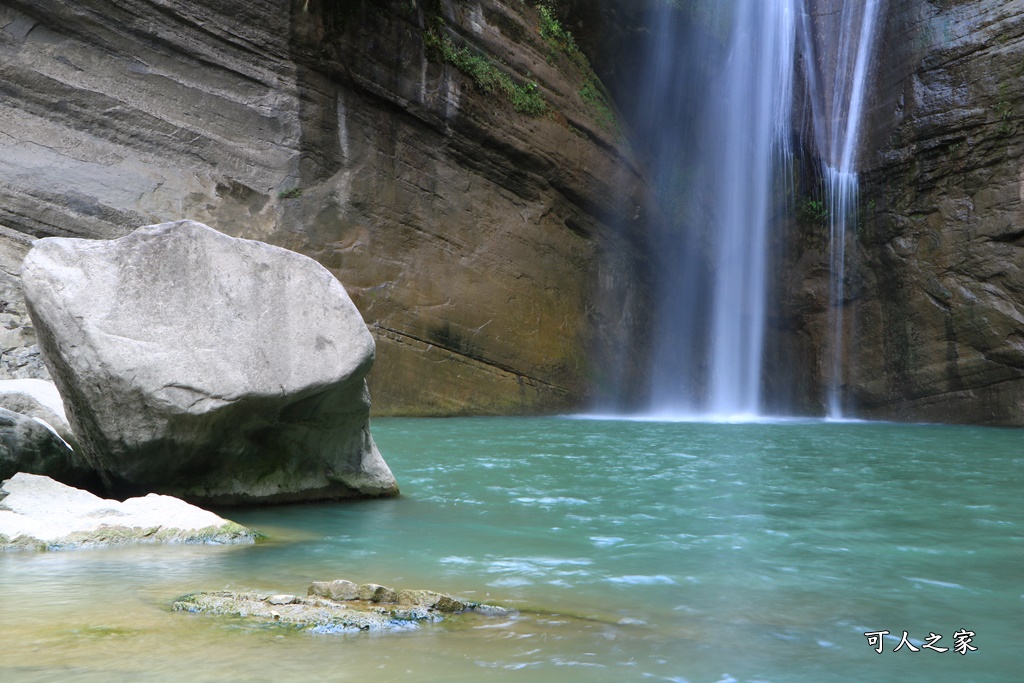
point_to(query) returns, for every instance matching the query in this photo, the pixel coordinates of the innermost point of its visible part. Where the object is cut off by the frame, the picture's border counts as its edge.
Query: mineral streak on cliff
(933, 288)
(838, 44)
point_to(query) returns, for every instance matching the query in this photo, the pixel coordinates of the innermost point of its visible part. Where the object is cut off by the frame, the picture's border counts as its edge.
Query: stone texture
(29, 445)
(339, 590)
(372, 592)
(282, 599)
(493, 254)
(940, 328)
(37, 398)
(934, 309)
(206, 366)
(39, 513)
(19, 353)
(338, 606)
(342, 590)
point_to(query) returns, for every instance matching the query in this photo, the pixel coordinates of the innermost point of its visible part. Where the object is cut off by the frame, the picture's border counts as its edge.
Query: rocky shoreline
(38, 513)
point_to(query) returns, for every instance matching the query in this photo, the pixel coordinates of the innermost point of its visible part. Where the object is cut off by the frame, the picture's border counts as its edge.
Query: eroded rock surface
(37, 398)
(208, 367)
(19, 353)
(939, 316)
(337, 606)
(28, 445)
(934, 281)
(38, 513)
(492, 253)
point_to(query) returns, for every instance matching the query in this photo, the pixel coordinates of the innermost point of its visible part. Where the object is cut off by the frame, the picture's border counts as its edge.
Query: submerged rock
(38, 513)
(325, 611)
(208, 367)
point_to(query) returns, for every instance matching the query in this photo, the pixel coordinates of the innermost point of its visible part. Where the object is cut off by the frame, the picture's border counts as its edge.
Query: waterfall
(750, 125)
(731, 121)
(715, 108)
(842, 50)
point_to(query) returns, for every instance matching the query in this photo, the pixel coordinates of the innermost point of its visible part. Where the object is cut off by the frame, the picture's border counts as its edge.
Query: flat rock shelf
(38, 513)
(337, 607)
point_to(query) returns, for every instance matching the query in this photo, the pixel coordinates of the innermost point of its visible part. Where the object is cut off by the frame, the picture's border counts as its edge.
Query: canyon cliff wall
(933, 310)
(461, 173)
(938, 307)
(493, 232)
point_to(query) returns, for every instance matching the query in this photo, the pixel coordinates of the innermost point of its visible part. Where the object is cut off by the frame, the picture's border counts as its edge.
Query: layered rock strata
(933, 309)
(493, 252)
(205, 366)
(938, 318)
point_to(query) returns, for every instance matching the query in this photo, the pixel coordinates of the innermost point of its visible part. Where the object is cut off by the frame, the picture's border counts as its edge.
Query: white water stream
(837, 103)
(749, 125)
(715, 262)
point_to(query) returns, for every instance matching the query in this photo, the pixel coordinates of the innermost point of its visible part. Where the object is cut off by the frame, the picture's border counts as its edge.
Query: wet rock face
(208, 367)
(338, 606)
(940, 325)
(492, 253)
(934, 310)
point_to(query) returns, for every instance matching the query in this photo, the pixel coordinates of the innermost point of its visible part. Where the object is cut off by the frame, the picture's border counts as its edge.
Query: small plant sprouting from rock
(293, 193)
(1004, 110)
(812, 211)
(552, 31)
(592, 95)
(526, 98)
(560, 40)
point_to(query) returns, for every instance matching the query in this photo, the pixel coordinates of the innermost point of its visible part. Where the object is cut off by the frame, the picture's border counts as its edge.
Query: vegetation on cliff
(525, 97)
(492, 76)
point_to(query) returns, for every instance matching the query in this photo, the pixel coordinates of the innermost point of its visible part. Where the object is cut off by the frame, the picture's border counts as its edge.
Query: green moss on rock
(378, 608)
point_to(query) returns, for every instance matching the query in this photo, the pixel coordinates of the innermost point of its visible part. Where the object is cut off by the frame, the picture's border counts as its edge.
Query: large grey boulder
(38, 513)
(217, 369)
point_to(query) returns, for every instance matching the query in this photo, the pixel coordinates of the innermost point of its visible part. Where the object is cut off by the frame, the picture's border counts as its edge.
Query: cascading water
(717, 173)
(715, 108)
(750, 125)
(837, 105)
